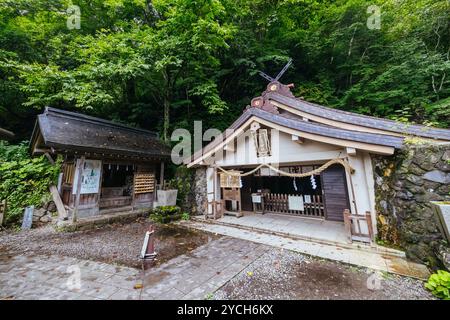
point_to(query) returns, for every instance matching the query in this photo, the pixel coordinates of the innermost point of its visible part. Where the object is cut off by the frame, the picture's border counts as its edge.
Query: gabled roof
(318, 121)
(326, 131)
(73, 132)
(359, 119)
(304, 127)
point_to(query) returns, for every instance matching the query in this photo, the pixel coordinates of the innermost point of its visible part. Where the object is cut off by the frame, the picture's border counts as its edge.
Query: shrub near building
(24, 181)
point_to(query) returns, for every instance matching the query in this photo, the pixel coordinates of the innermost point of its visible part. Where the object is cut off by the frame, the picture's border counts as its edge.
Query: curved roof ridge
(329, 131)
(360, 119)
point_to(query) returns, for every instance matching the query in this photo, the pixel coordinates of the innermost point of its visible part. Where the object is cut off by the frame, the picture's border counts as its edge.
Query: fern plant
(439, 284)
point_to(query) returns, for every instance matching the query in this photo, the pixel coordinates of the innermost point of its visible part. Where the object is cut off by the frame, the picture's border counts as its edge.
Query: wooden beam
(78, 195)
(49, 158)
(255, 126)
(297, 139)
(161, 175)
(350, 151)
(62, 213)
(229, 146)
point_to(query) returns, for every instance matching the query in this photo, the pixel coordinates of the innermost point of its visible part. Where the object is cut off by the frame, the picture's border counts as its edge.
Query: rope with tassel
(317, 171)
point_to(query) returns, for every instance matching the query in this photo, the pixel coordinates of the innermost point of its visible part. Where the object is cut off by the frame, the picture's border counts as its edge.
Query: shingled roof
(307, 127)
(359, 119)
(74, 132)
(279, 106)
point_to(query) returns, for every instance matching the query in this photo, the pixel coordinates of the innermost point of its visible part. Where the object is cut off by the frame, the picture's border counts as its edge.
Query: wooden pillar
(348, 225)
(77, 196)
(369, 226)
(161, 175)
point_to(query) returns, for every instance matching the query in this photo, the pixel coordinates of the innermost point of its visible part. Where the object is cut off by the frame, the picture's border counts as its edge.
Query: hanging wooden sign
(228, 181)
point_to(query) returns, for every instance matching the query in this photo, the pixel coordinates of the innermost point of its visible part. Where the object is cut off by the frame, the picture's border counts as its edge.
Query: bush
(167, 210)
(182, 182)
(439, 284)
(185, 216)
(166, 214)
(24, 181)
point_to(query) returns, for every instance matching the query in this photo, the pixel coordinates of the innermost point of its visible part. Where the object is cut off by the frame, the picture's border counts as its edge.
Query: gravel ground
(116, 243)
(282, 274)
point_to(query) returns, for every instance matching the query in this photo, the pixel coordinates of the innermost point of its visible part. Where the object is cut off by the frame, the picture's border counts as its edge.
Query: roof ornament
(275, 85)
(280, 74)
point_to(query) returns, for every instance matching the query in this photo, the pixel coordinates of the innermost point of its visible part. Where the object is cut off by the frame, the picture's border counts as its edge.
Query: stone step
(115, 202)
(112, 192)
(364, 258)
(359, 246)
(114, 210)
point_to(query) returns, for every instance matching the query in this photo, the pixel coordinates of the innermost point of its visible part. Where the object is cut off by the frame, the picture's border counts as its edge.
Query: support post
(369, 226)
(161, 176)
(348, 225)
(78, 195)
(62, 213)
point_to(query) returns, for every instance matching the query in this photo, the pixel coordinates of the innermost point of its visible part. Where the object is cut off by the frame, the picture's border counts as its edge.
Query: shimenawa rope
(344, 163)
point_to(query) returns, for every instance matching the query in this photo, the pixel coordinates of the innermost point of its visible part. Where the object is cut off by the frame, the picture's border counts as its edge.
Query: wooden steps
(121, 201)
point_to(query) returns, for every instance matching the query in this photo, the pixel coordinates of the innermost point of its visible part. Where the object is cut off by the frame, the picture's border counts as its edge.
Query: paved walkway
(192, 276)
(383, 261)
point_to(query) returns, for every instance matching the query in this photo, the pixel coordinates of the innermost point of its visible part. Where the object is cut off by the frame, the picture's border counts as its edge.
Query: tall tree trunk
(166, 103)
(166, 118)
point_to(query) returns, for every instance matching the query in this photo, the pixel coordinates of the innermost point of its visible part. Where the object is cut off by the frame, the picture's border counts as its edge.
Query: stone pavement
(388, 261)
(192, 276)
(305, 228)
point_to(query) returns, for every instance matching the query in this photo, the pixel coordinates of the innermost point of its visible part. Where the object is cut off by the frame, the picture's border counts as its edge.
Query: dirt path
(282, 274)
(117, 243)
(193, 264)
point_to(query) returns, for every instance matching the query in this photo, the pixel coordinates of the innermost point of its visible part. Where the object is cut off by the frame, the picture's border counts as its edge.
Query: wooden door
(246, 193)
(334, 187)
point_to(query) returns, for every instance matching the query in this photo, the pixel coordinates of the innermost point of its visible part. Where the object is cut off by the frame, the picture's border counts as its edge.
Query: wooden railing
(358, 227)
(279, 203)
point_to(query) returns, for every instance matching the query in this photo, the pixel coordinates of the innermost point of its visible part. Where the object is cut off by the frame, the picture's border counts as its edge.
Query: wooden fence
(279, 203)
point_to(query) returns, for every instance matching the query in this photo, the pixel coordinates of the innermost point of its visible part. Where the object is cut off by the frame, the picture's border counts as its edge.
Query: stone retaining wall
(405, 183)
(199, 191)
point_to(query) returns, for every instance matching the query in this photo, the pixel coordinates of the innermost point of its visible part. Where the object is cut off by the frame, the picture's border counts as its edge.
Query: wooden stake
(58, 202)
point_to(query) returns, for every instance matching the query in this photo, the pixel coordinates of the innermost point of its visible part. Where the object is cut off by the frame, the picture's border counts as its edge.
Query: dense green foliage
(439, 284)
(24, 181)
(181, 181)
(166, 214)
(162, 64)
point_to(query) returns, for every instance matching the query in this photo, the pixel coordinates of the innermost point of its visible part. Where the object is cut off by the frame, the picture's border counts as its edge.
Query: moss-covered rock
(405, 183)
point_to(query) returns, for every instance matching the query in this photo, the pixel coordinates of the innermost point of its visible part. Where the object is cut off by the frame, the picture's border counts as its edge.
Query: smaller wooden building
(119, 166)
